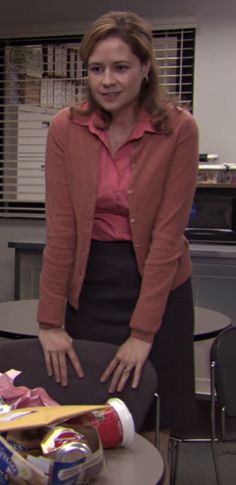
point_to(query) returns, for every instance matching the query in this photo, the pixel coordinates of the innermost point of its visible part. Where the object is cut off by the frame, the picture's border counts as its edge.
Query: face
(115, 75)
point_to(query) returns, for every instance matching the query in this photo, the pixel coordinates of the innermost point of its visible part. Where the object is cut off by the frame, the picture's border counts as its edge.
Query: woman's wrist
(49, 326)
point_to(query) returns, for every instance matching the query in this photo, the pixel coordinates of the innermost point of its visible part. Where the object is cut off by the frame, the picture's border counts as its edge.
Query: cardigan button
(132, 220)
(130, 192)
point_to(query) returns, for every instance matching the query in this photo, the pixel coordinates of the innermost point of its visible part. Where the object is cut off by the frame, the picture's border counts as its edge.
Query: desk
(139, 464)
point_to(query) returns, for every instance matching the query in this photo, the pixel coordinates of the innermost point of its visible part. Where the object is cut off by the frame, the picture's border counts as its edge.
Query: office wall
(215, 76)
(215, 70)
(15, 230)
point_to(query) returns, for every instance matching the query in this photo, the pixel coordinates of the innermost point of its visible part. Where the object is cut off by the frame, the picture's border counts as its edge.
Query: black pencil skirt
(107, 300)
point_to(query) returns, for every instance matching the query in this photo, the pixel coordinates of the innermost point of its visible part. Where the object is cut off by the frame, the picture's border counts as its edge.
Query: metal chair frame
(157, 423)
(217, 404)
(213, 425)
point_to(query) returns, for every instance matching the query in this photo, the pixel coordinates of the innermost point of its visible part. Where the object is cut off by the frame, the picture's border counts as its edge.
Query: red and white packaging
(114, 423)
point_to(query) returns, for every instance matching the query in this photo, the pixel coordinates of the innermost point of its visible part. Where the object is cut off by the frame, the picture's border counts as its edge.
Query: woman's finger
(124, 378)
(75, 362)
(109, 370)
(115, 378)
(120, 377)
(137, 375)
(47, 358)
(62, 368)
(55, 366)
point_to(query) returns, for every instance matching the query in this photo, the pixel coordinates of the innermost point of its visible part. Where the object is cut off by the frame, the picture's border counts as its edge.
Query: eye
(121, 67)
(95, 68)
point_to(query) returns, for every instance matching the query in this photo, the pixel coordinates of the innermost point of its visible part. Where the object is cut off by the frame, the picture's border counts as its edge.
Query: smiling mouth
(110, 95)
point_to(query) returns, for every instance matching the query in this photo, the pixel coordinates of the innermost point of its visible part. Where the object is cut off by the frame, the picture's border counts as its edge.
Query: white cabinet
(214, 287)
(214, 284)
(32, 131)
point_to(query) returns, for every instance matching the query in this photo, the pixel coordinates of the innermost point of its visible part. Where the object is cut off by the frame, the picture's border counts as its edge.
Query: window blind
(37, 78)
(174, 52)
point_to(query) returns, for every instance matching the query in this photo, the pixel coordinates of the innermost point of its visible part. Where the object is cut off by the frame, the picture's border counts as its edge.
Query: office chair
(216, 416)
(26, 355)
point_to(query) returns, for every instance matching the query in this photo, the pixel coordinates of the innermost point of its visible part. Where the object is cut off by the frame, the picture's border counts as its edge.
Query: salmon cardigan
(161, 190)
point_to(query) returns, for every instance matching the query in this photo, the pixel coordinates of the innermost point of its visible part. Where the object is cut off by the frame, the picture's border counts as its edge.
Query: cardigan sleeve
(168, 244)
(59, 252)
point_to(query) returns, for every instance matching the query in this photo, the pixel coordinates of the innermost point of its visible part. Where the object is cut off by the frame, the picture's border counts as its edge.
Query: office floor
(196, 465)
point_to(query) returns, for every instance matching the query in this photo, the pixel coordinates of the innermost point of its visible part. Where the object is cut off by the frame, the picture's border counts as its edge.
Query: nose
(108, 78)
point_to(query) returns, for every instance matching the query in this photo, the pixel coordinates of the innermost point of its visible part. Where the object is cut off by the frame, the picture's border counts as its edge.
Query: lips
(112, 95)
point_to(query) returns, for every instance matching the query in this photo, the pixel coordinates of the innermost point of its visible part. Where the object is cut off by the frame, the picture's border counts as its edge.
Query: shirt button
(136, 245)
(130, 192)
(132, 220)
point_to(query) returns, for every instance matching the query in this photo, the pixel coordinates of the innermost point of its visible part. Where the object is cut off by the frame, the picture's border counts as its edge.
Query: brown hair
(137, 33)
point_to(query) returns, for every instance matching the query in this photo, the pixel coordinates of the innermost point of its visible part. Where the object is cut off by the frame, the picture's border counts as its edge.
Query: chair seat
(201, 429)
(26, 355)
(216, 416)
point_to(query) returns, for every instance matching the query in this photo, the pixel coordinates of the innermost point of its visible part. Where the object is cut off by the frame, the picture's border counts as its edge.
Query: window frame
(36, 210)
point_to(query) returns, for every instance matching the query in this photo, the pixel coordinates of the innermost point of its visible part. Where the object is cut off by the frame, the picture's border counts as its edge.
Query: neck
(120, 129)
(123, 121)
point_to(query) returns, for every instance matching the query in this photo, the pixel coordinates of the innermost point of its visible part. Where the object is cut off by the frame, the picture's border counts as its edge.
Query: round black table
(208, 323)
(18, 319)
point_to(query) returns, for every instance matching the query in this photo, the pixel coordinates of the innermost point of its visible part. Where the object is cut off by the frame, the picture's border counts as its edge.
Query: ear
(146, 69)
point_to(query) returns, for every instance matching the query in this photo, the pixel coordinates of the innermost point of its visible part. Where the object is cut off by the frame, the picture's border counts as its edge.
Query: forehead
(112, 48)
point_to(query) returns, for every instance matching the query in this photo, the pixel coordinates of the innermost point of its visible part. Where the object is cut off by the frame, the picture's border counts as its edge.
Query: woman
(121, 172)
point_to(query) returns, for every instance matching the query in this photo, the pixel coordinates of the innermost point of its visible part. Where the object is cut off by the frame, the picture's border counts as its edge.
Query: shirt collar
(94, 122)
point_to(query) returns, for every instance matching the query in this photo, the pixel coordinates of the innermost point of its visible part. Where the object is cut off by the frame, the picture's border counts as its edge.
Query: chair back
(27, 356)
(223, 354)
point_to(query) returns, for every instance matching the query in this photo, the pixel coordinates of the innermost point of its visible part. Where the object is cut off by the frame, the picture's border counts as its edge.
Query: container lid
(126, 420)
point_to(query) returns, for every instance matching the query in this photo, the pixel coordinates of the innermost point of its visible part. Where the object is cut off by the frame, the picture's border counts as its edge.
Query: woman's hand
(130, 357)
(57, 346)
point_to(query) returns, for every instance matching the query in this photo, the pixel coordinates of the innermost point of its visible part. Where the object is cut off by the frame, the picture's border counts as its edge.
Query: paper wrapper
(28, 469)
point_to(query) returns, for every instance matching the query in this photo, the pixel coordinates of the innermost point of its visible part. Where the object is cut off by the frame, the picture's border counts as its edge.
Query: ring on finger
(127, 370)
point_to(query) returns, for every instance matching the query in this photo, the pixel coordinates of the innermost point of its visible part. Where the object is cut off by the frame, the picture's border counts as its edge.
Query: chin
(110, 109)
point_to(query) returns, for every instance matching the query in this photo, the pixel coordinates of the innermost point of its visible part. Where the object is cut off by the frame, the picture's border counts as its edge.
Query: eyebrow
(115, 62)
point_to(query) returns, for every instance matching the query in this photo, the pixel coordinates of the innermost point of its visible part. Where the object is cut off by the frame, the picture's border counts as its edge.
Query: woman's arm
(59, 254)
(167, 242)
(58, 259)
